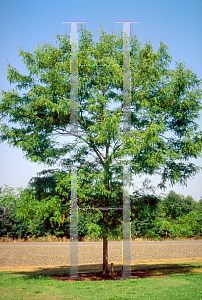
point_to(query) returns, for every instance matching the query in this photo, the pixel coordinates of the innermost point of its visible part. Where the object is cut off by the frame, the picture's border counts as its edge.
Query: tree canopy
(165, 107)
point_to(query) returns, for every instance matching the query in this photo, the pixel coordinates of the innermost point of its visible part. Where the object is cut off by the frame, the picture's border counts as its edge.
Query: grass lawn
(173, 281)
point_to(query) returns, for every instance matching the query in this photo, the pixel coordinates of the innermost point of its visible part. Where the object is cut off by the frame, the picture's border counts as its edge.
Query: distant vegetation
(32, 213)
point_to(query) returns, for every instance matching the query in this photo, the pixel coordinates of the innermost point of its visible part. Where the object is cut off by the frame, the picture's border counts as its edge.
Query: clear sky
(25, 24)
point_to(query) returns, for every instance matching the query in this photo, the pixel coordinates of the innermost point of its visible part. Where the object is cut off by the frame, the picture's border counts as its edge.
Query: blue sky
(25, 24)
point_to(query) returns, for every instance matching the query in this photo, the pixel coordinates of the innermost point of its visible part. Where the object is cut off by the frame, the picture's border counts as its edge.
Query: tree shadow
(94, 271)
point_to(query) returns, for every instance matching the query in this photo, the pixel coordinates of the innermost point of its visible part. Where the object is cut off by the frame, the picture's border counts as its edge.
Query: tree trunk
(105, 245)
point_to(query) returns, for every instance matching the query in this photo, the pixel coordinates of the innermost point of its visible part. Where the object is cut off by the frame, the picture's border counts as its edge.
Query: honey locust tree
(165, 107)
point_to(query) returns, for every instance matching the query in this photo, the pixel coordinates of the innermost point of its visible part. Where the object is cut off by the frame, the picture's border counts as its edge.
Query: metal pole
(74, 131)
(126, 253)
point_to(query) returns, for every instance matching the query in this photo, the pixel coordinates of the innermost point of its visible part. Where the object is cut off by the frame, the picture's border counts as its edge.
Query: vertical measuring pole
(126, 260)
(74, 80)
(74, 131)
(73, 225)
(74, 77)
(126, 253)
(126, 79)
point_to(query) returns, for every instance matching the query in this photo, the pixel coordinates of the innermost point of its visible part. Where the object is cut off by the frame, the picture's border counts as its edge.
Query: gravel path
(58, 254)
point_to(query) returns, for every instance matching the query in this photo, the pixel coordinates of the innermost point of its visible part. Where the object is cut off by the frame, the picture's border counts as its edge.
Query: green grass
(184, 283)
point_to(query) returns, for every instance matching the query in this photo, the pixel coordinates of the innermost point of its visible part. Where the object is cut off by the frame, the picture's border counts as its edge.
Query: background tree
(165, 107)
(144, 210)
(189, 204)
(200, 205)
(176, 205)
(10, 224)
(173, 205)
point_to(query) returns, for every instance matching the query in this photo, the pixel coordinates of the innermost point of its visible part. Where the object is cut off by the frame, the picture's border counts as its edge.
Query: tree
(144, 209)
(173, 205)
(189, 204)
(10, 223)
(47, 198)
(200, 205)
(165, 107)
(176, 205)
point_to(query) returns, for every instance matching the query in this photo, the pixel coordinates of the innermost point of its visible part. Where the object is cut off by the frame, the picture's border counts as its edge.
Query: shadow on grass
(141, 270)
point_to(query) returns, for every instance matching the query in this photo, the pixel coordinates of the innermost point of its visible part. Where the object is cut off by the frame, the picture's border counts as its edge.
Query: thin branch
(166, 138)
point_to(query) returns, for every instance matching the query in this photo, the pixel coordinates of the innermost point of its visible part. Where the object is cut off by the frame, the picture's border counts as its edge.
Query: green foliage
(22, 215)
(199, 206)
(38, 203)
(10, 223)
(43, 112)
(190, 225)
(144, 206)
(94, 231)
(176, 205)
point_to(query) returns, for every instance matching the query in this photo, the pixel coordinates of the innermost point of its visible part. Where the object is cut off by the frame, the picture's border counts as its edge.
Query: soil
(99, 276)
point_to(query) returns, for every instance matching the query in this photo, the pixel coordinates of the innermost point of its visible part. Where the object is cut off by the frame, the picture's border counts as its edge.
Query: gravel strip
(59, 254)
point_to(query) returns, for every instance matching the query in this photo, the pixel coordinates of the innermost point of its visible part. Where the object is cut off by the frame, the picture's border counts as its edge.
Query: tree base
(95, 276)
